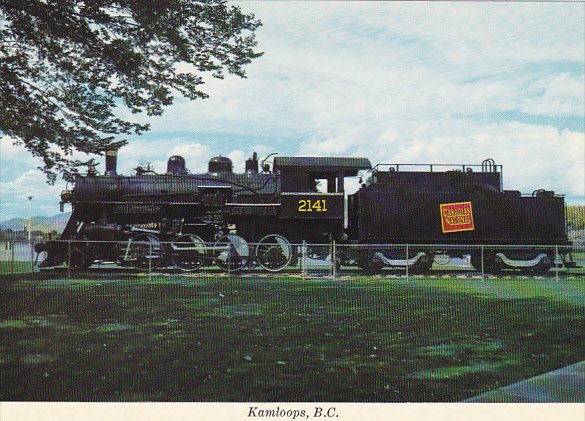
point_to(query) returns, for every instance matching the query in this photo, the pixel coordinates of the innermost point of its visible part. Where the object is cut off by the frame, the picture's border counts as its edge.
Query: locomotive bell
(176, 165)
(220, 164)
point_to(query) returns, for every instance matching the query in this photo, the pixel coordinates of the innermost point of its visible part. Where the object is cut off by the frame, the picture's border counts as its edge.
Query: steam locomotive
(258, 217)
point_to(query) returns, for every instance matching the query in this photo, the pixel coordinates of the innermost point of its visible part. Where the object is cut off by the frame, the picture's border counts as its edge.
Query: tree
(66, 66)
(576, 217)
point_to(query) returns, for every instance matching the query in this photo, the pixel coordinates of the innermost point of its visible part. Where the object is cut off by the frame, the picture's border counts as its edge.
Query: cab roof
(349, 166)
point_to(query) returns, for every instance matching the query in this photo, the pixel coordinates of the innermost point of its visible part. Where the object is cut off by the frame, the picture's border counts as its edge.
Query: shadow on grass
(177, 339)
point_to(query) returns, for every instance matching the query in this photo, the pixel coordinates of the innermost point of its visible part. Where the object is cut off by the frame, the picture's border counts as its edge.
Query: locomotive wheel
(77, 259)
(274, 252)
(341, 259)
(233, 252)
(144, 252)
(188, 252)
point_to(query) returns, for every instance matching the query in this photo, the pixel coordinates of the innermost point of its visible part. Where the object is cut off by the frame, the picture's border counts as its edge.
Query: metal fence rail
(147, 255)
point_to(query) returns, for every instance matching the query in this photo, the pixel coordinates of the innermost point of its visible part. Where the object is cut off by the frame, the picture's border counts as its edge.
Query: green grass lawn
(176, 338)
(9, 268)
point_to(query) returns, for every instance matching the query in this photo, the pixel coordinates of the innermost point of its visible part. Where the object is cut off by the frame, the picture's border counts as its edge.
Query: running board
(521, 263)
(398, 262)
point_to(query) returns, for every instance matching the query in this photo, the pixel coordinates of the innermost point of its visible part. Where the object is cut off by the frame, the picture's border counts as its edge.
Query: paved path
(566, 384)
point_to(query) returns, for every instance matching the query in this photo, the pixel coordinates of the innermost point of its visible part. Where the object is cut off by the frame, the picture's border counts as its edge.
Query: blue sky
(395, 82)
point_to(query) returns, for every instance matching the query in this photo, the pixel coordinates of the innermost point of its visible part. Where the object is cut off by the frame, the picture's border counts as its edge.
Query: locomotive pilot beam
(259, 216)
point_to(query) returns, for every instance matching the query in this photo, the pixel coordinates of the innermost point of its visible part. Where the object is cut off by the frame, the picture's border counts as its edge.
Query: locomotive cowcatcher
(261, 215)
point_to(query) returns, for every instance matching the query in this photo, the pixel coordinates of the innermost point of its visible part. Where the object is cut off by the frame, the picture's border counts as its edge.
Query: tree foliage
(68, 66)
(576, 217)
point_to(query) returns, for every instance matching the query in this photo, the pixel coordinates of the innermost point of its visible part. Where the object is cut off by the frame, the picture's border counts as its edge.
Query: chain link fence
(232, 255)
(17, 257)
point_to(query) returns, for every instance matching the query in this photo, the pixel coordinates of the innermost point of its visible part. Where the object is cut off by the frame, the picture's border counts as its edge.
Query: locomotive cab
(300, 174)
(313, 190)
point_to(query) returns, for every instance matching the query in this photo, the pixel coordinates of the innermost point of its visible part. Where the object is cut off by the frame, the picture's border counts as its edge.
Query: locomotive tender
(259, 216)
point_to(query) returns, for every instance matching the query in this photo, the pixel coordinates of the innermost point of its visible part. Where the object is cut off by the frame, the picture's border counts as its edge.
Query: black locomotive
(259, 216)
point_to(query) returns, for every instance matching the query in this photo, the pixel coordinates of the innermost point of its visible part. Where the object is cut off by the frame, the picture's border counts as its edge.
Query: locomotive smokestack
(111, 161)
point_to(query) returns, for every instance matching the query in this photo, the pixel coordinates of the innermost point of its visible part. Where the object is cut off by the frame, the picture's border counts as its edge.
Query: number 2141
(313, 205)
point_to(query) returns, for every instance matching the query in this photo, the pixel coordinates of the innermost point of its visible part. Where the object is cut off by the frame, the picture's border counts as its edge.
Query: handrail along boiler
(258, 216)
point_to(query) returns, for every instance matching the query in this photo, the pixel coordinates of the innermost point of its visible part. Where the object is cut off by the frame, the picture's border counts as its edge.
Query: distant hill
(39, 223)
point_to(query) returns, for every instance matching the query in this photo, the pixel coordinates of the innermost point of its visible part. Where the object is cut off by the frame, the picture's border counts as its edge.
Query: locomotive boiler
(172, 218)
(259, 216)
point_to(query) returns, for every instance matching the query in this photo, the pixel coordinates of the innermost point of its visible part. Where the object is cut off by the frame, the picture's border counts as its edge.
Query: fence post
(333, 260)
(407, 263)
(69, 259)
(556, 262)
(482, 265)
(304, 260)
(32, 261)
(12, 265)
(229, 258)
(149, 259)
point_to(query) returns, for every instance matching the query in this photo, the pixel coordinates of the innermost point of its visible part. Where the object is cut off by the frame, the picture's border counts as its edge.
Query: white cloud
(387, 62)
(563, 95)
(31, 183)
(27, 184)
(14, 156)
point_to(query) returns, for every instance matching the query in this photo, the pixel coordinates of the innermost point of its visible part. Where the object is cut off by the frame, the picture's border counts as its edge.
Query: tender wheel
(544, 265)
(369, 264)
(77, 259)
(423, 265)
(490, 263)
(233, 252)
(188, 252)
(493, 268)
(475, 259)
(372, 269)
(274, 252)
(144, 252)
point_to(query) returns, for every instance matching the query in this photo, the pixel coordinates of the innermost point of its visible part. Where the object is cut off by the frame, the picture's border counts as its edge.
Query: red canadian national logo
(456, 217)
